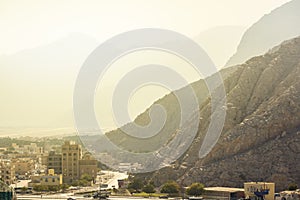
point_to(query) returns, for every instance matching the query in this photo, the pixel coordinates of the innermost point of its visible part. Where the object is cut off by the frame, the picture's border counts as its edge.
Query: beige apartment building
(44, 159)
(88, 165)
(23, 166)
(33, 148)
(7, 172)
(71, 154)
(51, 179)
(54, 161)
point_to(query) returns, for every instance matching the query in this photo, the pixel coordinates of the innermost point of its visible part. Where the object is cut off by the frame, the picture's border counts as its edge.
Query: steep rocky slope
(260, 138)
(173, 116)
(272, 29)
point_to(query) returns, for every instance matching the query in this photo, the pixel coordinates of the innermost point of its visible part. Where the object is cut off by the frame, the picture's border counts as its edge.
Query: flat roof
(224, 189)
(259, 183)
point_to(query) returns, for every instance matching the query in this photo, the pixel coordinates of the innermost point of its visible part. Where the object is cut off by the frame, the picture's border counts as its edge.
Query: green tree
(292, 186)
(136, 184)
(11, 149)
(64, 187)
(24, 189)
(196, 189)
(149, 188)
(170, 187)
(83, 182)
(86, 177)
(53, 188)
(75, 183)
(40, 188)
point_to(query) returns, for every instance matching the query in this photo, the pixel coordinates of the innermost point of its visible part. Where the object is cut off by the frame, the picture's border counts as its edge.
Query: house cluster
(19, 162)
(67, 164)
(251, 191)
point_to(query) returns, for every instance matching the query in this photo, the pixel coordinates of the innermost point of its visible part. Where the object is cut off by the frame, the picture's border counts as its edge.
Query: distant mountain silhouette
(36, 84)
(220, 42)
(272, 29)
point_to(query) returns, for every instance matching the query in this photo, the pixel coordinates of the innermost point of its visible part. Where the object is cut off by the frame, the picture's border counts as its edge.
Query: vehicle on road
(87, 195)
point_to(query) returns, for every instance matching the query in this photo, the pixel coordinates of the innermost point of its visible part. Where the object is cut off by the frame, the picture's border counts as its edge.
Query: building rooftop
(258, 183)
(224, 189)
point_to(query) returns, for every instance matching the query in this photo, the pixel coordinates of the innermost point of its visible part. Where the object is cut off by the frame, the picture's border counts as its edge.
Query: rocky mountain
(272, 29)
(260, 140)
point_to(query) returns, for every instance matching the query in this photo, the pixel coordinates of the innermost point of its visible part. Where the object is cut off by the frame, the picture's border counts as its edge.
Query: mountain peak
(261, 135)
(273, 28)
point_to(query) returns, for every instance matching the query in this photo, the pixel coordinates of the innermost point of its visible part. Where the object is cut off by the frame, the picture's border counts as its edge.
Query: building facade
(71, 154)
(7, 172)
(54, 161)
(51, 179)
(223, 193)
(88, 165)
(254, 188)
(23, 166)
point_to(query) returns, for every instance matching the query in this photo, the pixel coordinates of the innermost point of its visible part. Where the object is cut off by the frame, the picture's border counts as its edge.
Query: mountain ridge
(263, 96)
(279, 25)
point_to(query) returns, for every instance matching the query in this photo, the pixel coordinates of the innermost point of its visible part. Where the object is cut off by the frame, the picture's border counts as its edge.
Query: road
(77, 198)
(107, 177)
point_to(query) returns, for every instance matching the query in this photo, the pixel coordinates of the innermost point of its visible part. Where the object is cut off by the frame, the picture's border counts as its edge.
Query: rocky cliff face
(272, 29)
(260, 140)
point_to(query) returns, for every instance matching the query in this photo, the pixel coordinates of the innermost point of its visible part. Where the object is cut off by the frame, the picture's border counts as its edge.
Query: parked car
(164, 197)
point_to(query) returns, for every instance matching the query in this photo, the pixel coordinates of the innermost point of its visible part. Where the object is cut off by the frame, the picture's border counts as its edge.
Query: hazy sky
(32, 23)
(26, 24)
